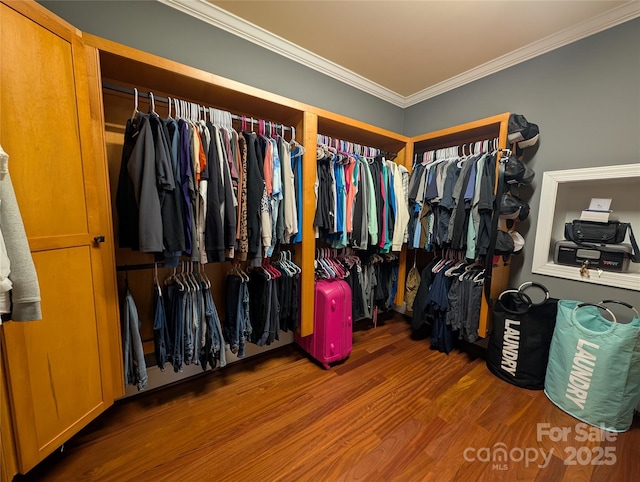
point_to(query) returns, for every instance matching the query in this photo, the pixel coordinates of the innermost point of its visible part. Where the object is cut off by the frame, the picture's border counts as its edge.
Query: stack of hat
(513, 209)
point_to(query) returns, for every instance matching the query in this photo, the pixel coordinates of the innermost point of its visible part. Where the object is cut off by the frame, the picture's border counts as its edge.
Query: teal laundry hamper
(593, 371)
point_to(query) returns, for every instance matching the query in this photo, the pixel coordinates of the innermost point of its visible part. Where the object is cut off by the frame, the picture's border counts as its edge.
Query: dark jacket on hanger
(214, 231)
(126, 204)
(378, 182)
(173, 139)
(143, 172)
(186, 185)
(255, 188)
(230, 215)
(325, 210)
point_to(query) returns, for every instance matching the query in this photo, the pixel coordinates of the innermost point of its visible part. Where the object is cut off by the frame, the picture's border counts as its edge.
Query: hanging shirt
(276, 194)
(359, 237)
(243, 243)
(174, 199)
(401, 209)
(296, 162)
(255, 189)
(351, 189)
(186, 184)
(372, 210)
(288, 193)
(214, 230)
(404, 175)
(474, 222)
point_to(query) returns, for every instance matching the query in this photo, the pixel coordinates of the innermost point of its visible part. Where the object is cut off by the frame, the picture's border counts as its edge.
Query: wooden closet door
(60, 370)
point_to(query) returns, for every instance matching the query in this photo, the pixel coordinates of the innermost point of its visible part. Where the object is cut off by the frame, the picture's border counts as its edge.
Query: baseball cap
(515, 172)
(504, 243)
(522, 132)
(512, 207)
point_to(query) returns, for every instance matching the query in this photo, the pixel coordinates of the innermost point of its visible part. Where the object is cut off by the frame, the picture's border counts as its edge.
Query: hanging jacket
(214, 230)
(255, 189)
(126, 203)
(186, 185)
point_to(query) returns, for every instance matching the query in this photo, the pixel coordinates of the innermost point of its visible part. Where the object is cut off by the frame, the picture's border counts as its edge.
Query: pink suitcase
(331, 340)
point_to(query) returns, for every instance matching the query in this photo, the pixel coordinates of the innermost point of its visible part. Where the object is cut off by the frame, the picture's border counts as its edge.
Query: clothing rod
(160, 264)
(506, 151)
(380, 151)
(164, 100)
(459, 146)
(136, 267)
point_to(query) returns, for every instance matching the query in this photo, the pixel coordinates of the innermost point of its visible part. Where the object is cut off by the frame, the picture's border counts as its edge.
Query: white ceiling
(408, 51)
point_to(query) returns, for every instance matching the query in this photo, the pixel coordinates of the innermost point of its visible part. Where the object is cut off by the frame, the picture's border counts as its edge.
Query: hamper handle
(529, 284)
(604, 308)
(623, 303)
(524, 297)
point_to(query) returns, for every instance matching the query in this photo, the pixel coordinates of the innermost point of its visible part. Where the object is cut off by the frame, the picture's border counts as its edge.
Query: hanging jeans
(176, 322)
(259, 305)
(218, 345)
(160, 329)
(199, 323)
(135, 368)
(232, 321)
(188, 327)
(244, 320)
(237, 326)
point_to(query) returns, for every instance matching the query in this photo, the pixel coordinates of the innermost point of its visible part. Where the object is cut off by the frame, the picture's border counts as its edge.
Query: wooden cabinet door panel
(61, 349)
(60, 370)
(39, 110)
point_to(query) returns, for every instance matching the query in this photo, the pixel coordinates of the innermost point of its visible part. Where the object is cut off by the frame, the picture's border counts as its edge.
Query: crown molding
(214, 15)
(616, 16)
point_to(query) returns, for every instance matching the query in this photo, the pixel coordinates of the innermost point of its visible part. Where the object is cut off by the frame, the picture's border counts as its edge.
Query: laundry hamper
(519, 344)
(593, 372)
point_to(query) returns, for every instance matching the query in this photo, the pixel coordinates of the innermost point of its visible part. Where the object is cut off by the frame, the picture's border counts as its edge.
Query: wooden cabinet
(344, 128)
(489, 128)
(60, 370)
(116, 64)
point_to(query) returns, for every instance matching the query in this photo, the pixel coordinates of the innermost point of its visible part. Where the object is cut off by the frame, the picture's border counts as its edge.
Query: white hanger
(135, 103)
(152, 103)
(155, 279)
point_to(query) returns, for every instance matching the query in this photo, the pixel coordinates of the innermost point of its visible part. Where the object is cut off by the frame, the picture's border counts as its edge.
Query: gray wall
(161, 30)
(585, 97)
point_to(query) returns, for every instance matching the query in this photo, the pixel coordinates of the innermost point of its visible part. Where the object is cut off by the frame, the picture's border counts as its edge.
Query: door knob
(99, 239)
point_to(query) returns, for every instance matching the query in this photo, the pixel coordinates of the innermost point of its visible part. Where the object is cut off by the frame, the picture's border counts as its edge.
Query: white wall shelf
(564, 195)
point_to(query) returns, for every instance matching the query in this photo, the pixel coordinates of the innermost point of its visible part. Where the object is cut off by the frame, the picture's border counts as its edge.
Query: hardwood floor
(395, 410)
